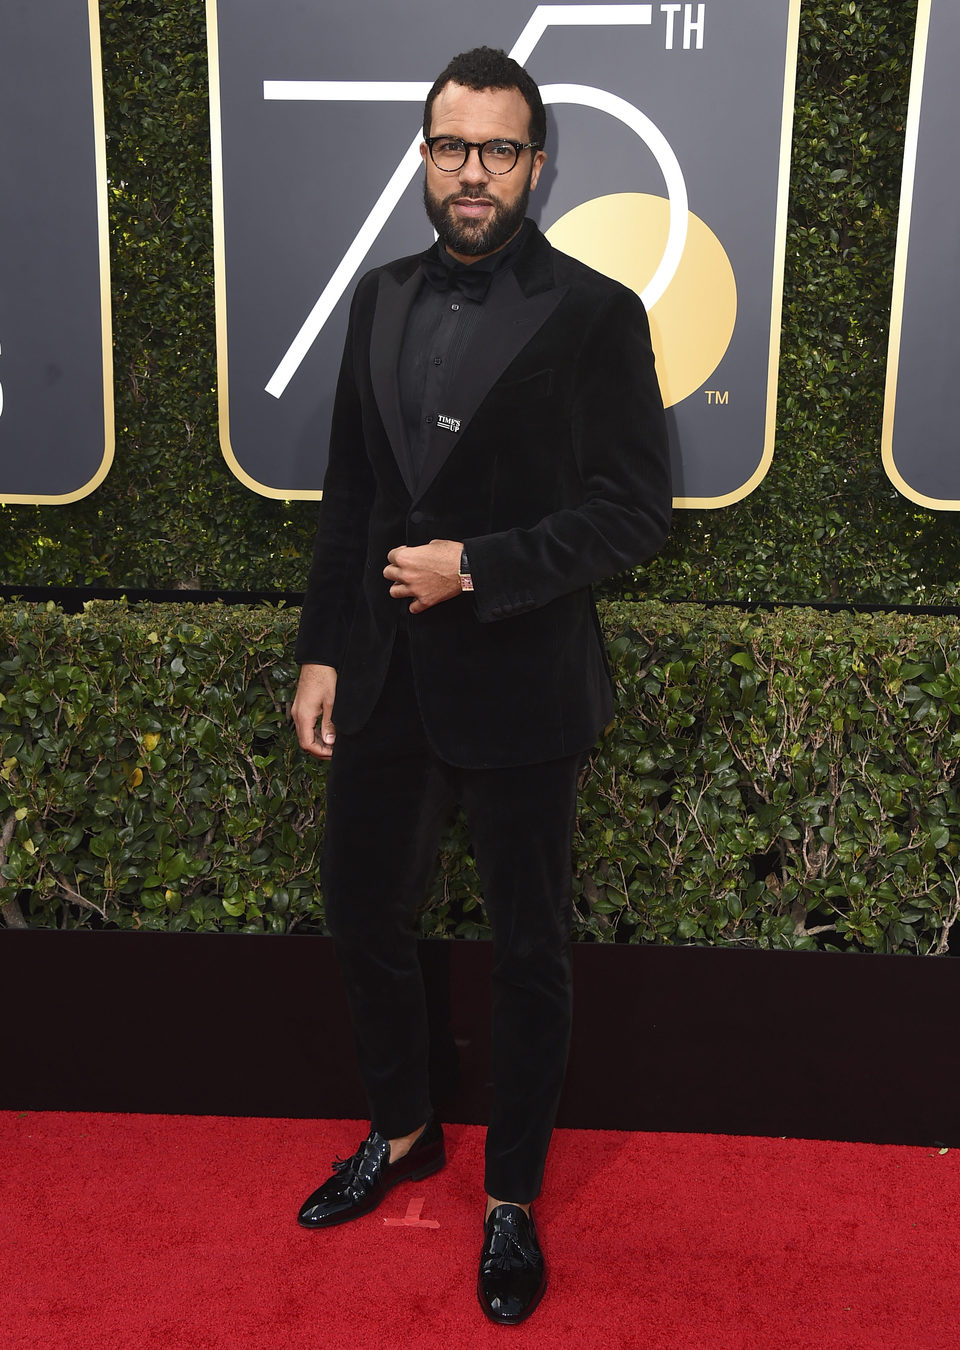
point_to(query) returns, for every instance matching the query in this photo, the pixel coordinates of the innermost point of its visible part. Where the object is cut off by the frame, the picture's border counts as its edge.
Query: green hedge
(825, 523)
(784, 779)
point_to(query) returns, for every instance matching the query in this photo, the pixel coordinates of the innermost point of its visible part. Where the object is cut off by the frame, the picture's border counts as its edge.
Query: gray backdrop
(293, 200)
(921, 442)
(56, 437)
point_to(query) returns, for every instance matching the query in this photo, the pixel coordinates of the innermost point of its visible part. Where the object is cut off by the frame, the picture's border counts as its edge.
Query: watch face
(466, 581)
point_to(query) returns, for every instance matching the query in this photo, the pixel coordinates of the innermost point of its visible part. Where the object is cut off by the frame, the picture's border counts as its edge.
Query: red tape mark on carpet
(412, 1217)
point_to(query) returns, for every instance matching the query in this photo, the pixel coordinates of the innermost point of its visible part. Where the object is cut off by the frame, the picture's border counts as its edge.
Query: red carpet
(160, 1232)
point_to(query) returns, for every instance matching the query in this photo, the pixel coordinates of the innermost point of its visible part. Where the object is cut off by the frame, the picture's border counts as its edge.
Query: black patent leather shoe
(512, 1272)
(359, 1183)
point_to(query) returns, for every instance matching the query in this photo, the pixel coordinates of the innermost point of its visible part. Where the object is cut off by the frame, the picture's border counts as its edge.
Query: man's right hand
(312, 710)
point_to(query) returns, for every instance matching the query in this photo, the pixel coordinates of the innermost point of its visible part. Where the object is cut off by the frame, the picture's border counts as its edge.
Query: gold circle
(624, 235)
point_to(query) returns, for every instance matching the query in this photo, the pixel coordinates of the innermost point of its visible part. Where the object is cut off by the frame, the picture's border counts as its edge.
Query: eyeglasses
(450, 153)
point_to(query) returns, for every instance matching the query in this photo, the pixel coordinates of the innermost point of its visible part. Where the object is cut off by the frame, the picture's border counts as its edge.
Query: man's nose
(472, 170)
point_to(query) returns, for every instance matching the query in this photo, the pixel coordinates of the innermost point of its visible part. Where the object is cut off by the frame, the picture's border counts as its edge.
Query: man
(497, 445)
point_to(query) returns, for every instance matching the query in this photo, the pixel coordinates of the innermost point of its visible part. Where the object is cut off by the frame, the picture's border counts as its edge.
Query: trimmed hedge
(784, 779)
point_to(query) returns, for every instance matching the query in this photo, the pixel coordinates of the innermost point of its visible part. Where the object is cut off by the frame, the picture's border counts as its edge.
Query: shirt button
(438, 360)
(428, 420)
(454, 306)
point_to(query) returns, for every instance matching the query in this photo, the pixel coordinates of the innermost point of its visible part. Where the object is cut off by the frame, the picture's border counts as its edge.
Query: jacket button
(416, 517)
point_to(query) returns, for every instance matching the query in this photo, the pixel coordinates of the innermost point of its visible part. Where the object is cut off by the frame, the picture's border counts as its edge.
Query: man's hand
(313, 705)
(429, 573)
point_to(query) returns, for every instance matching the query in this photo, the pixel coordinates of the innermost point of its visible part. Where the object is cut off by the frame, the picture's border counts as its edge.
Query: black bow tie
(471, 282)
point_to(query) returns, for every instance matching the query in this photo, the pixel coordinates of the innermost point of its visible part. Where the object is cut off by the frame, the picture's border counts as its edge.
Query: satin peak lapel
(394, 299)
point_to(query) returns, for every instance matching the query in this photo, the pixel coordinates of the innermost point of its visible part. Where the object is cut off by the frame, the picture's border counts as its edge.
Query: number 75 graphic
(543, 17)
(710, 278)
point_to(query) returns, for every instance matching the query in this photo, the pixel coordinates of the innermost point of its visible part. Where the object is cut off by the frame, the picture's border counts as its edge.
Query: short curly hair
(491, 68)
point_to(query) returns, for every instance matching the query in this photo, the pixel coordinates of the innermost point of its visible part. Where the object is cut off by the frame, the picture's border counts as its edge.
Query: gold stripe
(220, 277)
(106, 318)
(900, 264)
(776, 286)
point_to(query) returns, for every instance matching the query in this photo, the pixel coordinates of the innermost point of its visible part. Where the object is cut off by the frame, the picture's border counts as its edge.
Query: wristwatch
(466, 580)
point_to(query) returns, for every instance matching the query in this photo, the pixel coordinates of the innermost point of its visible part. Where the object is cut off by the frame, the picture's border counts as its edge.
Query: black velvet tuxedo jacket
(558, 476)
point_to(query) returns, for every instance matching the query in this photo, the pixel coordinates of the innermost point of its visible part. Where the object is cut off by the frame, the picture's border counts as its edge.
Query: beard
(475, 238)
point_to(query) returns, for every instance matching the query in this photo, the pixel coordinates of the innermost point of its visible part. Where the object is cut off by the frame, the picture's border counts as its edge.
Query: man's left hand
(428, 573)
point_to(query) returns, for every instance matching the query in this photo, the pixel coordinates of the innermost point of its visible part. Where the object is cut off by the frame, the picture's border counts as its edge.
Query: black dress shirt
(436, 341)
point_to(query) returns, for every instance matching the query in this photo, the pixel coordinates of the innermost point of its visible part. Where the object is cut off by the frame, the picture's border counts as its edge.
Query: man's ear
(539, 159)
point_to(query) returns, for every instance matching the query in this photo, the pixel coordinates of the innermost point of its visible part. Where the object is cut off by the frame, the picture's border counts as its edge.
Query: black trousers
(388, 799)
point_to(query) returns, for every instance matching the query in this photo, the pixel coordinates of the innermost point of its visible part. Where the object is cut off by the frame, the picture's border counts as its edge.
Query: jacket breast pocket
(528, 388)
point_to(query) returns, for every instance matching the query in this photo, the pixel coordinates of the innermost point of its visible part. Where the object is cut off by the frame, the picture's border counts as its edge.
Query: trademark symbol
(717, 396)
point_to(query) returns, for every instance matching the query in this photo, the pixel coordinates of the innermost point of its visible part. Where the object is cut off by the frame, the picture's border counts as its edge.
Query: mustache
(468, 195)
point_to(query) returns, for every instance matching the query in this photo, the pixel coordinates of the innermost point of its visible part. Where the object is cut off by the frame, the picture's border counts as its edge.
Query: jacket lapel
(512, 314)
(394, 298)
(507, 323)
